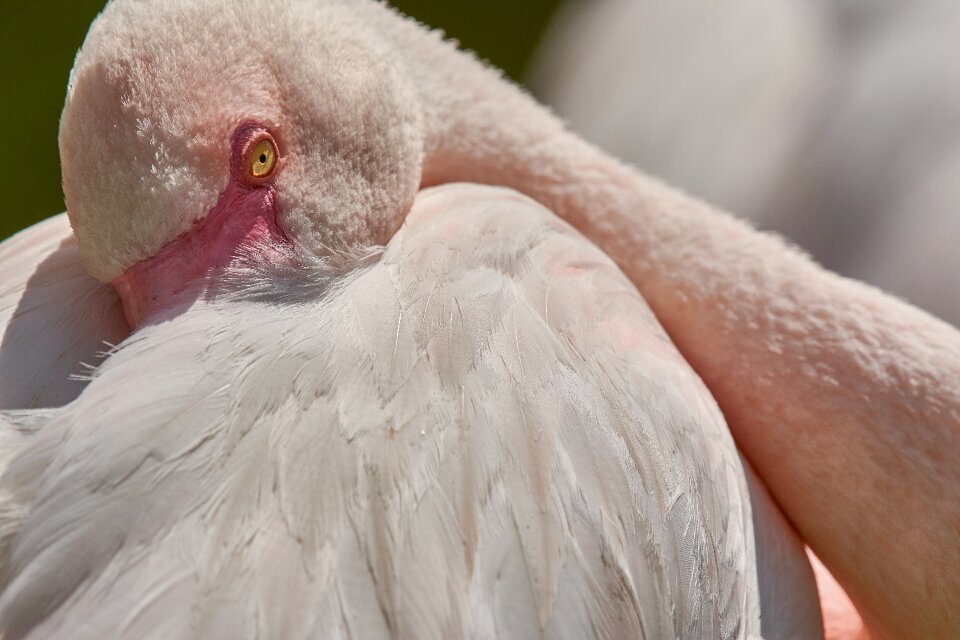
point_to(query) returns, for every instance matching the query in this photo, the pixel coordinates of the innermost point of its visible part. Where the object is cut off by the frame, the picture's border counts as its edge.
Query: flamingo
(362, 396)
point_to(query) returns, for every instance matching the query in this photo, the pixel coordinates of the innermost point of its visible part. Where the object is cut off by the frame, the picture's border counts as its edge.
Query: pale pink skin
(840, 618)
(244, 218)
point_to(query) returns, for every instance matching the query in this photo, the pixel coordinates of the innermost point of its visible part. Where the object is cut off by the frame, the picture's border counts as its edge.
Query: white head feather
(159, 88)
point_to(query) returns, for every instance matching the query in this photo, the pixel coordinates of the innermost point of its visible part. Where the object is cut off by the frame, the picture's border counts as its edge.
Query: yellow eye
(263, 157)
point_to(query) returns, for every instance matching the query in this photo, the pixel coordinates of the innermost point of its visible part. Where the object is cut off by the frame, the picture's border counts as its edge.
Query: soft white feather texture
(845, 400)
(481, 431)
(159, 87)
(55, 318)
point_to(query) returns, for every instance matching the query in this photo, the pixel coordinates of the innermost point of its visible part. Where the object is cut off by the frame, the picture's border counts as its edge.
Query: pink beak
(243, 218)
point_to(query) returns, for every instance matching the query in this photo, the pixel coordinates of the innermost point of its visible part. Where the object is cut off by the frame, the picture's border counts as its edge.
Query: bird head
(196, 129)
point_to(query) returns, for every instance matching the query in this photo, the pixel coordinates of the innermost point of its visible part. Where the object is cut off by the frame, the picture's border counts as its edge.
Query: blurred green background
(38, 41)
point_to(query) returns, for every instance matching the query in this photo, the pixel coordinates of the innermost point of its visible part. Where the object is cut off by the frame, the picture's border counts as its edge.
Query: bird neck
(481, 129)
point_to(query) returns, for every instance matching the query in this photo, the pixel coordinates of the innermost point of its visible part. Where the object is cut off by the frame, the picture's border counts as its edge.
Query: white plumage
(477, 430)
(42, 287)
(454, 437)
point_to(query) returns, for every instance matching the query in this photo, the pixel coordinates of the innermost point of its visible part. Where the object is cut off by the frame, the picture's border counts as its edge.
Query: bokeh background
(38, 41)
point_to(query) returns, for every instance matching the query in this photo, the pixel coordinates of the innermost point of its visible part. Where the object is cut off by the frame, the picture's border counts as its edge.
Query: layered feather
(481, 431)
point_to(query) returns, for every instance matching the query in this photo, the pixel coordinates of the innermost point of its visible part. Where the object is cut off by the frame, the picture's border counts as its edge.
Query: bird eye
(263, 157)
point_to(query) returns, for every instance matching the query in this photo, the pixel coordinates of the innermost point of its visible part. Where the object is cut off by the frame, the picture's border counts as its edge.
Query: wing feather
(481, 432)
(55, 320)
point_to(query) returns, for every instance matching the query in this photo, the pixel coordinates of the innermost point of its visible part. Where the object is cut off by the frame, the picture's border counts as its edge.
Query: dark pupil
(263, 158)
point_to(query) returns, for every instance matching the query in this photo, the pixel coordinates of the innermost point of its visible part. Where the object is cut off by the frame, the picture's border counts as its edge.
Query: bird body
(42, 286)
(481, 431)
